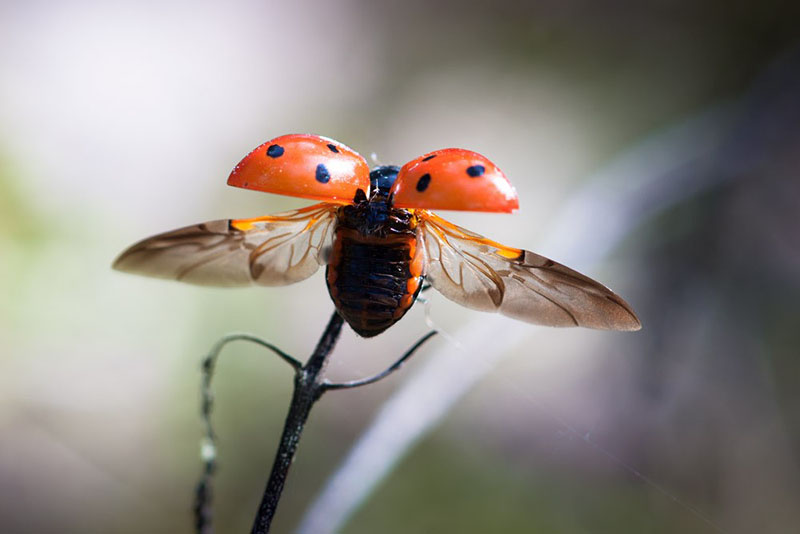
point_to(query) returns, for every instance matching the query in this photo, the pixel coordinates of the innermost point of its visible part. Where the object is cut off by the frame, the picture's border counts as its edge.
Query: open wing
(272, 250)
(481, 274)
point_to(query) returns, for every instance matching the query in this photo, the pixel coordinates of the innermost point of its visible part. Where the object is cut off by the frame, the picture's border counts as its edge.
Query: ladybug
(378, 240)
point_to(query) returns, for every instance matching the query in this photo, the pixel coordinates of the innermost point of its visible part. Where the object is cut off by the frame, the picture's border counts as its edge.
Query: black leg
(420, 297)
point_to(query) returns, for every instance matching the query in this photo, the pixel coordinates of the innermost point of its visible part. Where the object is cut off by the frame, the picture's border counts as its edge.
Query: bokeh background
(122, 119)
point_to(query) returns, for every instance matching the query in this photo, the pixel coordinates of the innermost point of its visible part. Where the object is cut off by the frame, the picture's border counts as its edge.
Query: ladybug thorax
(376, 218)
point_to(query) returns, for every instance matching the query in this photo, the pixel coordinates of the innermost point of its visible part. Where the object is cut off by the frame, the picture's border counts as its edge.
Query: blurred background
(655, 147)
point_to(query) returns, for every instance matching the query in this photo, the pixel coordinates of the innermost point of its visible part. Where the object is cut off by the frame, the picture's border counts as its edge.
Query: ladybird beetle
(374, 232)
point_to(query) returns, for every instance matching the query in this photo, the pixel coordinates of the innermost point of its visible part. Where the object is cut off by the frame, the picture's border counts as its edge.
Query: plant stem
(309, 385)
(308, 388)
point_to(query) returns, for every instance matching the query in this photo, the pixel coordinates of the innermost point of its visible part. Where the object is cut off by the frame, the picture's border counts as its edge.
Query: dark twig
(203, 491)
(383, 374)
(217, 348)
(203, 496)
(308, 388)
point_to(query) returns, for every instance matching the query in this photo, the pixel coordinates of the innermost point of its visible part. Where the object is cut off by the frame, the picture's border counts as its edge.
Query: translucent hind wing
(484, 275)
(272, 250)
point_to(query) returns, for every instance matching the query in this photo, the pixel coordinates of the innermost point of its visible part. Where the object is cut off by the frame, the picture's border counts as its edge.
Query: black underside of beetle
(372, 280)
(373, 259)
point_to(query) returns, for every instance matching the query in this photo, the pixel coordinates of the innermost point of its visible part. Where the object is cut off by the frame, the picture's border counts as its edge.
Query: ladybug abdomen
(372, 280)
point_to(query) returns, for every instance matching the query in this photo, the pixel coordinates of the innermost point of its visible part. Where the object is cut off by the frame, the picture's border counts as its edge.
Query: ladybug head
(382, 178)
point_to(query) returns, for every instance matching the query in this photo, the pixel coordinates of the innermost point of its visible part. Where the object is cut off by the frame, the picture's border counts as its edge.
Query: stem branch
(307, 390)
(309, 385)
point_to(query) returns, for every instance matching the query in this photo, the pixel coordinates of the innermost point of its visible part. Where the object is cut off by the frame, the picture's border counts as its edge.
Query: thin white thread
(544, 408)
(439, 330)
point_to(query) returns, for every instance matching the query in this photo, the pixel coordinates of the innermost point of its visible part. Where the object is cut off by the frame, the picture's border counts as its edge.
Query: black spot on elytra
(322, 174)
(333, 148)
(275, 151)
(476, 170)
(423, 182)
(429, 157)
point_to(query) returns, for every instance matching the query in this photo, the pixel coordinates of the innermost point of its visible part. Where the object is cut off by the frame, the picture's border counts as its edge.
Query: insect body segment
(375, 270)
(379, 240)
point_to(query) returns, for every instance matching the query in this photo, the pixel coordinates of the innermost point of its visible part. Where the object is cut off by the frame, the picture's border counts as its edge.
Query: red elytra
(319, 168)
(454, 179)
(302, 165)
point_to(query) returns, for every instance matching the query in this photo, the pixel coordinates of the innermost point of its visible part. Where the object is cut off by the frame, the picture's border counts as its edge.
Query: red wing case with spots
(302, 165)
(454, 179)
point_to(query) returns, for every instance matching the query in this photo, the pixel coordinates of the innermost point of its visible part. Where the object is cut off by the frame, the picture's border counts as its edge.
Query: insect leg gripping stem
(421, 299)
